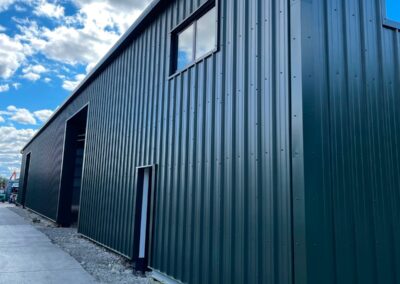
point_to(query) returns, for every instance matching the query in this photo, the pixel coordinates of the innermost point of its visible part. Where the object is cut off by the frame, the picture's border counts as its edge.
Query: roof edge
(118, 46)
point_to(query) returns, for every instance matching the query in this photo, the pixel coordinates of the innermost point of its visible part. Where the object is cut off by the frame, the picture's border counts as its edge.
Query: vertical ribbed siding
(219, 133)
(45, 167)
(351, 135)
(224, 184)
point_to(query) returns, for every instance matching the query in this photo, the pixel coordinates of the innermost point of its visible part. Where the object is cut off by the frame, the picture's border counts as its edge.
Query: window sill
(200, 60)
(387, 23)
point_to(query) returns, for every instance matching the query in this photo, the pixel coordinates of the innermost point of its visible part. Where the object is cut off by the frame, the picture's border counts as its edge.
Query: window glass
(206, 34)
(195, 41)
(393, 10)
(185, 47)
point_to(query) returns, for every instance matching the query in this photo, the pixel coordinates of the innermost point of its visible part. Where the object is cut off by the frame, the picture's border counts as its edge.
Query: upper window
(392, 10)
(194, 40)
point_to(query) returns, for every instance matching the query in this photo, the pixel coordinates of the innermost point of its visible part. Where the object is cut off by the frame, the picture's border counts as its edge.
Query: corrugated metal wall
(351, 102)
(45, 165)
(219, 133)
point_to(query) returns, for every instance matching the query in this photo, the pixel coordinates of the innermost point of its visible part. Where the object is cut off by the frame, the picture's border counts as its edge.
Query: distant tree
(3, 182)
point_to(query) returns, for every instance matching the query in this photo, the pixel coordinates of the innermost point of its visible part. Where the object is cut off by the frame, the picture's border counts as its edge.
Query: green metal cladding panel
(351, 101)
(45, 164)
(219, 133)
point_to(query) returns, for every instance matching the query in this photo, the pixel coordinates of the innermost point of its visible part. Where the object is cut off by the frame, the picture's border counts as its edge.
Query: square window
(194, 39)
(392, 13)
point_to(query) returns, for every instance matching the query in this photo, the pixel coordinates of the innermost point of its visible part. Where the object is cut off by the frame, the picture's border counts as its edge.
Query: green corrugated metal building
(235, 141)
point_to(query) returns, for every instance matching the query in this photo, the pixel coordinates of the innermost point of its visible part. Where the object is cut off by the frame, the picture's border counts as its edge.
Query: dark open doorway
(71, 178)
(144, 215)
(26, 176)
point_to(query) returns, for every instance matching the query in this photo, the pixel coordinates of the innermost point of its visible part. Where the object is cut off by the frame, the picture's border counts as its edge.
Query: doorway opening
(144, 215)
(26, 176)
(71, 177)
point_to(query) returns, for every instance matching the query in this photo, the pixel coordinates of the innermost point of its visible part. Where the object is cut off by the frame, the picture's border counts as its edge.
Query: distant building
(235, 141)
(12, 190)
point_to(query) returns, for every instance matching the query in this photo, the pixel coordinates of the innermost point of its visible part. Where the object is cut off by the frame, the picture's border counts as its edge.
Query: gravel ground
(104, 265)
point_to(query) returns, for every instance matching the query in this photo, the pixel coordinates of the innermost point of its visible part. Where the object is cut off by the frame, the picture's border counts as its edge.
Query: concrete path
(28, 256)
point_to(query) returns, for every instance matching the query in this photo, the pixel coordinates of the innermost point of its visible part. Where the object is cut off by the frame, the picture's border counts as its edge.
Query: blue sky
(46, 48)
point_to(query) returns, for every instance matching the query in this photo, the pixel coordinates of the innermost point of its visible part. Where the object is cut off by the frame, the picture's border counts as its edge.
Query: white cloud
(43, 115)
(90, 67)
(72, 46)
(21, 115)
(4, 88)
(111, 13)
(67, 44)
(16, 85)
(2, 29)
(31, 76)
(117, 4)
(47, 80)
(12, 54)
(35, 69)
(19, 8)
(11, 108)
(70, 85)
(50, 10)
(24, 116)
(2, 119)
(66, 69)
(12, 140)
(4, 4)
(30, 34)
(32, 72)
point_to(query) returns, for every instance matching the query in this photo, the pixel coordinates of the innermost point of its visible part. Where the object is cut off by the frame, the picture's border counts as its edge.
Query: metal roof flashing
(118, 46)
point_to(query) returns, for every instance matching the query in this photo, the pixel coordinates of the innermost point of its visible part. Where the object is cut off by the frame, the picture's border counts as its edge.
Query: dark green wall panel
(219, 133)
(351, 99)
